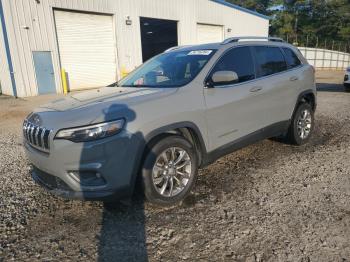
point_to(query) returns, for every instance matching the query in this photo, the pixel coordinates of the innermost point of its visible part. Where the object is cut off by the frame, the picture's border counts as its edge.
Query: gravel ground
(267, 202)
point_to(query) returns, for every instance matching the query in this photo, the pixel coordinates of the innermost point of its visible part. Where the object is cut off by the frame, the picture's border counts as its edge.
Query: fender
(186, 124)
(300, 97)
(144, 140)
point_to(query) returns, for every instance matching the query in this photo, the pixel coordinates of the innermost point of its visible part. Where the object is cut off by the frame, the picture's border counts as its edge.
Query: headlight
(92, 132)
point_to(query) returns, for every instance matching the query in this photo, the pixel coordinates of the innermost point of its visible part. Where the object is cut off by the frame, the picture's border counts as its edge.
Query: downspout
(7, 48)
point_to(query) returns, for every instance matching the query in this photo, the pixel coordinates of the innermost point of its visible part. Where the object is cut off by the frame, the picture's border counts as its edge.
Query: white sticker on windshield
(200, 52)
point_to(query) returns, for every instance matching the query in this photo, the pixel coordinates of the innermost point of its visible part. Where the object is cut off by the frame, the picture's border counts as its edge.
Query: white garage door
(209, 34)
(87, 49)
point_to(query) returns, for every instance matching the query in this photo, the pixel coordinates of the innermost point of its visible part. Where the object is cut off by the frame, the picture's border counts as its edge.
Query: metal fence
(326, 59)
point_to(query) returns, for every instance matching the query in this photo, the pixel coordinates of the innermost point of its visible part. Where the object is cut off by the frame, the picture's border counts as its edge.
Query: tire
(301, 128)
(169, 171)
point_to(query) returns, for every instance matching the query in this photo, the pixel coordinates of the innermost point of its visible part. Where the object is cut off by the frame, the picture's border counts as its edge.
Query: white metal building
(96, 41)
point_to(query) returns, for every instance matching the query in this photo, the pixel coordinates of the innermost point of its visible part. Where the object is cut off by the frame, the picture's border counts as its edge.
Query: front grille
(37, 136)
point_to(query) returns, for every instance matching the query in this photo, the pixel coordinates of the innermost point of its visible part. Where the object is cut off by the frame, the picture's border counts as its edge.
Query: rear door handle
(294, 78)
(256, 89)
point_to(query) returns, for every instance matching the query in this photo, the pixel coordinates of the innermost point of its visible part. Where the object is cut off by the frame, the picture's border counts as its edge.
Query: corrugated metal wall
(326, 59)
(5, 79)
(31, 27)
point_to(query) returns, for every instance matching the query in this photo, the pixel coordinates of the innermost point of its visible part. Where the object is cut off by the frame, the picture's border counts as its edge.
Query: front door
(234, 110)
(44, 72)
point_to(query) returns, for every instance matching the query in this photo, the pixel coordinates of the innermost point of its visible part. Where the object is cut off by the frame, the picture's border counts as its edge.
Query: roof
(223, 2)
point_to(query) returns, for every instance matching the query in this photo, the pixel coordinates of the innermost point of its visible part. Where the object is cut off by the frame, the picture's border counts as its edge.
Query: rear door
(234, 110)
(278, 84)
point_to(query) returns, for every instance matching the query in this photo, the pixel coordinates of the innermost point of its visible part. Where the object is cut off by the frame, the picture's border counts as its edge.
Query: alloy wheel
(172, 171)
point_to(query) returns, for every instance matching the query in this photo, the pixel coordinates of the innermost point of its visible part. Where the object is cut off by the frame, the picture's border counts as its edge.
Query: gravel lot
(267, 202)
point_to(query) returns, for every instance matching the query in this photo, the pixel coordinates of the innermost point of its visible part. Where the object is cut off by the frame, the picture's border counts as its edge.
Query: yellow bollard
(64, 81)
(124, 72)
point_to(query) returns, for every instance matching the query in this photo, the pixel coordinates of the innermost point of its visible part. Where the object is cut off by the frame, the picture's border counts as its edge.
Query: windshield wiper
(139, 86)
(113, 85)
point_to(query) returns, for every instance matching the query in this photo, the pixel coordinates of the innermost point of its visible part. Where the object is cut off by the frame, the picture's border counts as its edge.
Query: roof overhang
(223, 2)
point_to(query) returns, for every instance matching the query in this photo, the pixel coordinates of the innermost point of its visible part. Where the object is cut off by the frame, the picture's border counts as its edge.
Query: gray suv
(178, 112)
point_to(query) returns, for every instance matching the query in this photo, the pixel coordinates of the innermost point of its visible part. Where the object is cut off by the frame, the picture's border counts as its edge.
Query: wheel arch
(309, 97)
(188, 130)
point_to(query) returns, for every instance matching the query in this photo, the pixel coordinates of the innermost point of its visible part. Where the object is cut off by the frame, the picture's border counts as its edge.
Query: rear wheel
(302, 125)
(169, 171)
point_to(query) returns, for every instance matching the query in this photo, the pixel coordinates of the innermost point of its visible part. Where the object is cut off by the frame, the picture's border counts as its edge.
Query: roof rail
(237, 39)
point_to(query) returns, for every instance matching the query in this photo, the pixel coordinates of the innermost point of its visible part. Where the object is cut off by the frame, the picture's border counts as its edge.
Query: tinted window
(291, 58)
(269, 60)
(238, 60)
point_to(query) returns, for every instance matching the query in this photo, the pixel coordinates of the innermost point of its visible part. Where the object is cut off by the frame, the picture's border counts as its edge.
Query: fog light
(88, 178)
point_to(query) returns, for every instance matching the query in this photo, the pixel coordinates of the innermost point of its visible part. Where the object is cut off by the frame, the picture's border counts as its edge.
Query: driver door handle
(256, 89)
(294, 78)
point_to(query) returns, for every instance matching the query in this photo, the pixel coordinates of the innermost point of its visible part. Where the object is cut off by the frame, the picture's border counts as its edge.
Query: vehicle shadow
(122, 236)
(330, 87)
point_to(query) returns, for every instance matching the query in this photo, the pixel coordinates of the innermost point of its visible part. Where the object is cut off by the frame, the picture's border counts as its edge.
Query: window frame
(251, 47)
(285, 57)
(257, 65)
(122, 81)
(207, 78)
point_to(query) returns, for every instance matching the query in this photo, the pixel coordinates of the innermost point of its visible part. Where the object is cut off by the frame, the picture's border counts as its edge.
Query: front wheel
(302, 125)
(169, 171)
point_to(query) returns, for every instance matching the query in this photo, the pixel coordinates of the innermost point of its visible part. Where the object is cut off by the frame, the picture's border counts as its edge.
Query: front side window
(173, 69)
(269, 60)
(291, 58)
(238, 60)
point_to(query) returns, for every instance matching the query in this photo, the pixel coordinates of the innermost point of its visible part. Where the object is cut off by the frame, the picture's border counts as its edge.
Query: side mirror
(222, 78)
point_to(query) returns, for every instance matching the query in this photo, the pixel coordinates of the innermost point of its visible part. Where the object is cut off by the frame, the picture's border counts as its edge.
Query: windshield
(172, 69)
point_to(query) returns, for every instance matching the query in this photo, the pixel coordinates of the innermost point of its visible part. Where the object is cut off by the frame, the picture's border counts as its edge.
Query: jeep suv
(178, 112)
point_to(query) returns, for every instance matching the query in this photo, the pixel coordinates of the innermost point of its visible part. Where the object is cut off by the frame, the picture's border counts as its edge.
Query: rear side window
(239, 60)
(269, 60)
(291, 58)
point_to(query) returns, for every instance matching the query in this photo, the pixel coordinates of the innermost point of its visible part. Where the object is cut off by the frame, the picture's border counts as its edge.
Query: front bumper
(114, 161)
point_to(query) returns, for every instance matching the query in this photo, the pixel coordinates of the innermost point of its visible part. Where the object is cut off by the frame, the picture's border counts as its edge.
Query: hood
(96, 106)
(118, 95)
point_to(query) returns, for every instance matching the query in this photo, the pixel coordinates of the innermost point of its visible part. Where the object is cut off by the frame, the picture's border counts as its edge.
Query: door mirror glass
(224, 77)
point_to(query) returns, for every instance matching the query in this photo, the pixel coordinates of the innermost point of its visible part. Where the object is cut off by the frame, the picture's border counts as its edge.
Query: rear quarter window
(269, 60)
(291, 58)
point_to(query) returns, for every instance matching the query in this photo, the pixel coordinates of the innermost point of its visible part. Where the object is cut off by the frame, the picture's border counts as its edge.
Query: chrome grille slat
(42, 136)
(40, 143)
(37, 136)
(34, 133)
(30, 134)
(46, 139)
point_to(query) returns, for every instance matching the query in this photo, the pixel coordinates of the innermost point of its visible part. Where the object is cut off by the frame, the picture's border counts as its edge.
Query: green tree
(260, 6)
(312, 21)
